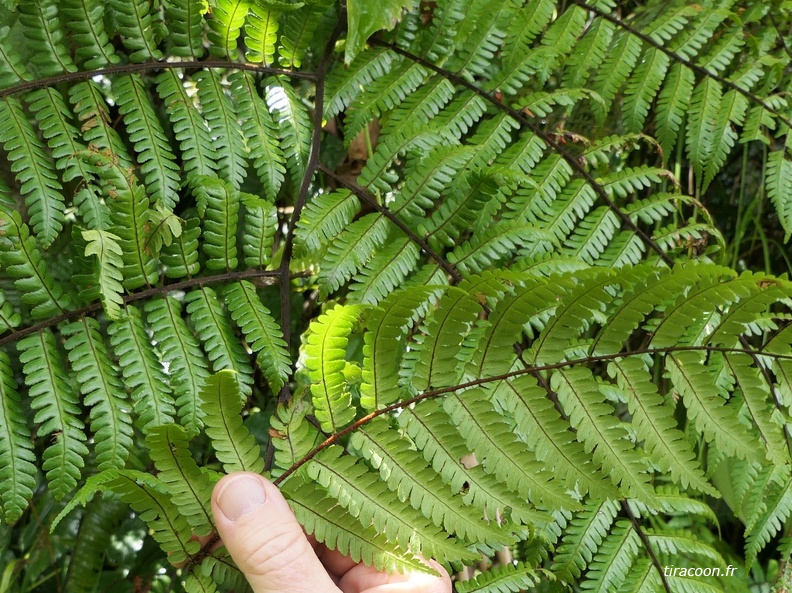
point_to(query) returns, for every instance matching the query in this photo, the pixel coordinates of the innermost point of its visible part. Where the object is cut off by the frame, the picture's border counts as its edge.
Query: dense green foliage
(466, 278)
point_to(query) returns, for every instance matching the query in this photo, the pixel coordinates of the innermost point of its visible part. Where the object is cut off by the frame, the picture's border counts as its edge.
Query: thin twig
(148, 66)
(647, 544)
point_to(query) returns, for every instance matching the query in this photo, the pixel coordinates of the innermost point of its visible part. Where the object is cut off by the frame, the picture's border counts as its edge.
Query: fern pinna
(455, 275)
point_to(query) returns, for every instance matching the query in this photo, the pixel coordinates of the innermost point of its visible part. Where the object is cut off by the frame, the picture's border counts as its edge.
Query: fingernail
(241, 496)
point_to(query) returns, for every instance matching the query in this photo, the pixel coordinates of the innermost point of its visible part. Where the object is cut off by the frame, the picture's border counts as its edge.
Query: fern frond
(385, 272)
(261, 133)
(294, 125)
(778, 182)
(57, 410)
(672, 103)
(299, 31)
(705, 104)
(140, 30)
(654, 423)
(42, 25)
(35, 171)
(142, 371)
(263, 335)
(96, 123)
(583, 538)
(187, 125)
(180, 258)
(185, 23)
(17, 461)
(325, 353)
(102, 390)
(213, 328)
(345, 84)
(590, 53)
(218, 205)
(260, 226)
(180, 350)
(225, 129)
(616, 69)
(293, 438)
(330, 524)
(157, 163)
(108, 254)
(261, 34)
(612, 562)
(323, 219)
(189, 488)
(411, 479)
(600, 432)
(353, 486)
(507, 578)
(22, 261)
(778, 505)
(85, 19)
(222, 402)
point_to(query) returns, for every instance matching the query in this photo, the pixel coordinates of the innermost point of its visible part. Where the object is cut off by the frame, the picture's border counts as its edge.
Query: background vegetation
(502, 282)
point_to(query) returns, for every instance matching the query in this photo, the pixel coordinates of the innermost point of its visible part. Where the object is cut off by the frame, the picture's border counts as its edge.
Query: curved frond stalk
(190, 489)
(142, 371)
(102, 390)
(186, 362)
(325, 353)
(262, 333)
(35, 171)
(147, 136)
(57, 410)
(213, 327)
(17, 461)
(222, 402)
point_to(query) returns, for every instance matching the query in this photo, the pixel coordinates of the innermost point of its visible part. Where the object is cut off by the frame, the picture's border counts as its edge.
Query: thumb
(264, 538)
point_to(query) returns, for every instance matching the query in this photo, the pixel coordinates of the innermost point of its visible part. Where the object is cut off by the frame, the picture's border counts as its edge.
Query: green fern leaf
(185, 23)
(188, 127)
(261, 332)
(705, 104)
(222, 402)
(228, 16)
(292, 437)
(613, 560)
(108, 254)
(345, 84)
(139, 28)
(225, 129)
(180, 258)
(57, 410)
(778, 182)
(142, 371)
(616, 69)
(672, 103)
(9, 319)
(85, 19)
(331, 525)
(214, 330)
(258, 238)
(186, 362)
(218, 204)
(385, 272)
(96, 123)
(102, 390)
(34, 170)
(583, 538)
(22, 261)
(158, 164)
(325, 352)
(323, 219)
(353, 486)
(42, 25)
(17, 461)
(261, 34)
(778, 506)
(294, 125)
(261, 133)
(189, 488)
(590, 53)
(507, 578)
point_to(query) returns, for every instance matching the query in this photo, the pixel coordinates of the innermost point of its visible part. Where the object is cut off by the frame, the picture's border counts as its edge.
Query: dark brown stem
(646, 543)
(148, 66)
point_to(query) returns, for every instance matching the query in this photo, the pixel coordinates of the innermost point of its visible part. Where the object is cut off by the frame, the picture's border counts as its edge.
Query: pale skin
(269, 546)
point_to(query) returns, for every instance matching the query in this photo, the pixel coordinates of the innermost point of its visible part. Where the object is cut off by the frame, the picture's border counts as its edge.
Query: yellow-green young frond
(261, 331)
(325, 353)
(17, 461)
(189, 488)
(213, 326)
(222, 403)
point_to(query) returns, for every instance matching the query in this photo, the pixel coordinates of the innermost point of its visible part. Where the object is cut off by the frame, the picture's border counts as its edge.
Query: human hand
(269, 546)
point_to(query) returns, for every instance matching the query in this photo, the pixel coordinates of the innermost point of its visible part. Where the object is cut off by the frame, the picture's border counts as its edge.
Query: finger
(365, 579)
(264, 538)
